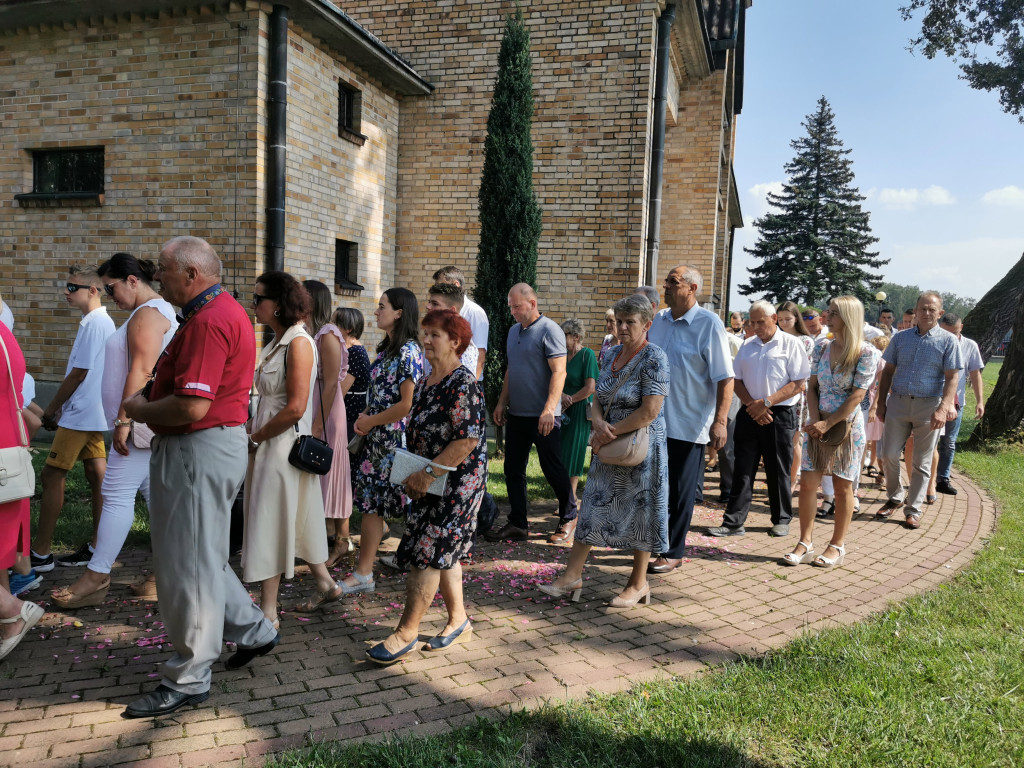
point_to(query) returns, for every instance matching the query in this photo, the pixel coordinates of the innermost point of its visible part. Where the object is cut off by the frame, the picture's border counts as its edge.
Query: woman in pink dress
(16, 617)
(335, 381)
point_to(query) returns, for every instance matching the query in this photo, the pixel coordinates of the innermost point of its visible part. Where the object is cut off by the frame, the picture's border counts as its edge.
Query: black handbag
(309, 453)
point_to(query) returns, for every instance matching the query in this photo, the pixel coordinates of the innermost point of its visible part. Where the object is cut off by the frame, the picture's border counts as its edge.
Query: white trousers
(126, 476)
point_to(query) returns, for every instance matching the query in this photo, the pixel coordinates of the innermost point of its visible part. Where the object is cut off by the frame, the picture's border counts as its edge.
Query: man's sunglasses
(810, 317)
(72, 287)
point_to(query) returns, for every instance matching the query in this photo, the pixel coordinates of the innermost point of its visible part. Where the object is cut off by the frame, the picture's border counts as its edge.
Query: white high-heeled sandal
(823, 562)
(363, 584)
(792, 558)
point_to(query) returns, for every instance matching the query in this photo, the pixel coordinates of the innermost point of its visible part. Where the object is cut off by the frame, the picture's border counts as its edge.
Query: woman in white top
(284, 507)
(129, 357)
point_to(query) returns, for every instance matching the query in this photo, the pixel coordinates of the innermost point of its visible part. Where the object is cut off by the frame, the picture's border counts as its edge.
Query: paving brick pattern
(63, 690)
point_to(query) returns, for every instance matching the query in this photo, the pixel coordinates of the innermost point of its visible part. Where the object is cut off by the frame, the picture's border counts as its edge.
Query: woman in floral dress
(446, 425)
(842, 369)
(393, 377)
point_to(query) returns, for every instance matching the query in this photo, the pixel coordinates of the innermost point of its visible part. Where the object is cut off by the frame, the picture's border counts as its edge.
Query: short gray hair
(693, 277)
(929, 294)
(194, 252)
(573, 327)
(634, 305)
(651, 293)
(764, 306)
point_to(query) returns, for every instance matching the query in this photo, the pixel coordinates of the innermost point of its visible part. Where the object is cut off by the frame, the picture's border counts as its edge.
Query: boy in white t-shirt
(76, 412)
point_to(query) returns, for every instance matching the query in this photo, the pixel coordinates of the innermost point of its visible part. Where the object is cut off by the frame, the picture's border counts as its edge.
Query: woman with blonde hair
(842, 370)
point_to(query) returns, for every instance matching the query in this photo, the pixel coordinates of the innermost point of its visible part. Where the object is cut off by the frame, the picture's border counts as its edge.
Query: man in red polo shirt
(197, 405)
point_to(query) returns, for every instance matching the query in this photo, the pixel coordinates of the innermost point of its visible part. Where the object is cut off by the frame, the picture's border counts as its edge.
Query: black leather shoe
(943, 486)
(243, 656)
(162, 701)
(507, 532)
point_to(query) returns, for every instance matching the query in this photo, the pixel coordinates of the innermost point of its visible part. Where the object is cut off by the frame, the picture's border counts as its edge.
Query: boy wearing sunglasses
(76, 413)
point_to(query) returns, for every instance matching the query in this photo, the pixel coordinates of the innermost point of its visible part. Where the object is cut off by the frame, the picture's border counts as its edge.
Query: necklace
(624, 362)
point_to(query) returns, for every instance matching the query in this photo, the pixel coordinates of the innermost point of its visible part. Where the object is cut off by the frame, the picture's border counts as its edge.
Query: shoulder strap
(319, 391)
(22, 432)
(632, 364)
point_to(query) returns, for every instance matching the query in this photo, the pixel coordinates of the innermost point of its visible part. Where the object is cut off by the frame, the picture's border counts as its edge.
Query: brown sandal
(338, 554)
(321, 599)
(67, 599)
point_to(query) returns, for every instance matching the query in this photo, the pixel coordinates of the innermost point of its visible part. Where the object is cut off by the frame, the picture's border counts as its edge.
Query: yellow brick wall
(172, 99)
(591, 72)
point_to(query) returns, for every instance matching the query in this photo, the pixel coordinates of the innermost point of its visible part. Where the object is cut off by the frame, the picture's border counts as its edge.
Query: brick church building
(344, 141)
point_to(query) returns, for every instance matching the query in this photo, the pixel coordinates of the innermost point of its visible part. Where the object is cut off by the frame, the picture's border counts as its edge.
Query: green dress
(576, 428)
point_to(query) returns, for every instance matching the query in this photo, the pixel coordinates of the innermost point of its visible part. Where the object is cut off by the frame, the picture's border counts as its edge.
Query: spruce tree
(814, 244)
(510, 223)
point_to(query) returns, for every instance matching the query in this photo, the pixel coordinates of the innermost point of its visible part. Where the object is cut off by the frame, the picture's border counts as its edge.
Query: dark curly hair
(293, 302)
(122, 265)
(449, 321)
(406, 327)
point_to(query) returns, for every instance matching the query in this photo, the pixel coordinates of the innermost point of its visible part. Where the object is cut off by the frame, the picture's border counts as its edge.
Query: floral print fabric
(439, 530)
(374, 493)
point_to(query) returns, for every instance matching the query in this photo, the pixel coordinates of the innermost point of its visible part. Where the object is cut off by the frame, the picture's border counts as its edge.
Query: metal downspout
(658, 143)
(277, 145)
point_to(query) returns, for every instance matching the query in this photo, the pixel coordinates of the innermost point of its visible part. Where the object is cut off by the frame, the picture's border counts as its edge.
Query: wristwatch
(430, 470)
(767, 403)
(119, 423)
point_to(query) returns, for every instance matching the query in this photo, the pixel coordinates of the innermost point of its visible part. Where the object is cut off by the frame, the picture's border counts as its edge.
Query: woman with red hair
(446, 425)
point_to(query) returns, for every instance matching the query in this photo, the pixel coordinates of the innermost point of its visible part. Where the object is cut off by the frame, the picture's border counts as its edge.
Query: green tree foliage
(510, 218)
(986, 37)
(814, 244)
(900, 297)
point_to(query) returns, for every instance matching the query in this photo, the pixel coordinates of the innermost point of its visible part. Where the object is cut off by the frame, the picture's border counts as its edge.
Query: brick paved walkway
(63, 690)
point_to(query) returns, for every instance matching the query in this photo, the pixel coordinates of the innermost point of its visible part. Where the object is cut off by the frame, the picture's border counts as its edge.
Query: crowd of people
(194, 415)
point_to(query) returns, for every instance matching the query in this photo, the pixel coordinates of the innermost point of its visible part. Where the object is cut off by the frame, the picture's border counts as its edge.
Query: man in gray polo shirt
(922, 369)
(529, 407)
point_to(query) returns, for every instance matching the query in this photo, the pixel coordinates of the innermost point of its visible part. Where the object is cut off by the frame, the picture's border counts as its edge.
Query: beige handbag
(626, 450)
(17, 475)
(834, 447)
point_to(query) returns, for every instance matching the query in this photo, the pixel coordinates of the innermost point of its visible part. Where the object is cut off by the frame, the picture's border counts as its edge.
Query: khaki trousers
(194, 479)
(906, 416)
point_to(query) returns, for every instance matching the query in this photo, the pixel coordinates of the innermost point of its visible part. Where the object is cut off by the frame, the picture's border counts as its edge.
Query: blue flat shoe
(461, 635)
(381, 655)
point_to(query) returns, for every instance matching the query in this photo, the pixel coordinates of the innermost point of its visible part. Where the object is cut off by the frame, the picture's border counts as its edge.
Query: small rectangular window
(346, 267)
(67, 171)
(350, 106)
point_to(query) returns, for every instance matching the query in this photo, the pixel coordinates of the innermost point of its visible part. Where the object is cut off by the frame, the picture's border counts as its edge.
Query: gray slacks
(194, 479)
(906, 416)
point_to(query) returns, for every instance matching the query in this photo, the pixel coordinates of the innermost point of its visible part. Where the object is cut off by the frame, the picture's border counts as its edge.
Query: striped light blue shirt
(921, 361)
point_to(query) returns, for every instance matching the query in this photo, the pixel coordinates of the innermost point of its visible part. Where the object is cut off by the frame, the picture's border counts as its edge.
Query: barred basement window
(350, 105)
(346, 267)
(68, 171)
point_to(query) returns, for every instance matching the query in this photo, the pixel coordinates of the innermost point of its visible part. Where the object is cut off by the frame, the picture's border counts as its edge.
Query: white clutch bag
(405, 463)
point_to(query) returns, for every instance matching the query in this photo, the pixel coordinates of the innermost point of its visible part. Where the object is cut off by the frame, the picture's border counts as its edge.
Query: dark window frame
(346, 267)
(60, 176)
(350, 104)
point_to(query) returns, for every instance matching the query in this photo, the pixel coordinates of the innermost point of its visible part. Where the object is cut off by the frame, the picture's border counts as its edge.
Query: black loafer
(243, 656)
(162, 701)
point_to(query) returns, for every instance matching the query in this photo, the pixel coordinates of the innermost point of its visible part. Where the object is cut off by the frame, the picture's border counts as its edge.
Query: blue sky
(941, 165)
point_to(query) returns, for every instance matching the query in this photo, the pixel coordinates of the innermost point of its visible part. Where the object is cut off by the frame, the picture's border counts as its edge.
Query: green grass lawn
(75, 522)
(935, 681)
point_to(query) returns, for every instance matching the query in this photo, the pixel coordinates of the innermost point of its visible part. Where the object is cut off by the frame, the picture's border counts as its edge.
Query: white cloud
(757, 204)
(1009, 197)
(908, 199)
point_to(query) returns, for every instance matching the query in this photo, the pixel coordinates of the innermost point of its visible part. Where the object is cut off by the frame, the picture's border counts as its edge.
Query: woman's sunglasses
(109, 287)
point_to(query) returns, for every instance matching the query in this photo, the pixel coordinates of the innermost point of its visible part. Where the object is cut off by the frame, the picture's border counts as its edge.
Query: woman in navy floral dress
(447, 425)
(393, 377)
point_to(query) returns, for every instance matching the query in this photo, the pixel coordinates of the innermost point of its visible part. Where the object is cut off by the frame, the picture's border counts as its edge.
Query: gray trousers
(906, 416)
(193, 481)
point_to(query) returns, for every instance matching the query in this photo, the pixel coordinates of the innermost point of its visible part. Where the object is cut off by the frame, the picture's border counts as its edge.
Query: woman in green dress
(581, 374)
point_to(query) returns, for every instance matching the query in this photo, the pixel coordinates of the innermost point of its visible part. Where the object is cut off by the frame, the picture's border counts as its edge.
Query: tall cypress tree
(510, 223)
(815, 244)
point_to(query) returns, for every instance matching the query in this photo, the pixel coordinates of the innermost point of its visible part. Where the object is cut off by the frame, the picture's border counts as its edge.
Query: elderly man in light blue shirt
(916, 396)
(697, 406)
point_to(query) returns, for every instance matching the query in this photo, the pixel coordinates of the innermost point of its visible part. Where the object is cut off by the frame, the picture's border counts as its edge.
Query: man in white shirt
(973, 364)
(771, 370)
(473, 312)
(76, 412)
(814, 323)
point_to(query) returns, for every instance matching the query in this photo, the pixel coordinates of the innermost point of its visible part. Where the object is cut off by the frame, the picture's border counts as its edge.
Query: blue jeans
(947, 446)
